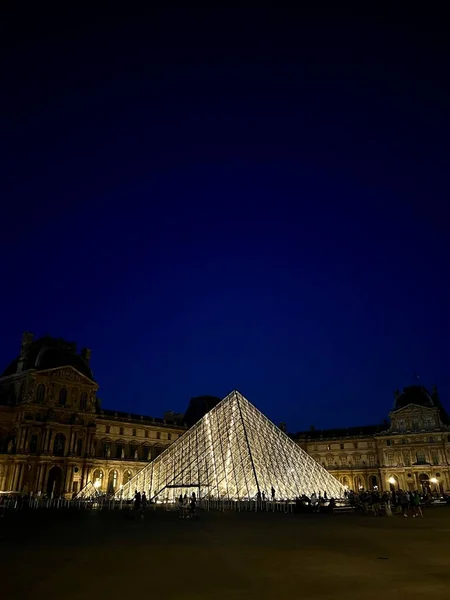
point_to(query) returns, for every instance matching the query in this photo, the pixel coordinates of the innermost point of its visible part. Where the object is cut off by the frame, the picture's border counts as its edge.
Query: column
(49, 440)
(22, 473)
(38, 476)
(17, 471)
(42, 477)
(69, 478)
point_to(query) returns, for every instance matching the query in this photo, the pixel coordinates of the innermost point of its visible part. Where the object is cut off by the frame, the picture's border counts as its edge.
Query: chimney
(27, 340)
(86, 354)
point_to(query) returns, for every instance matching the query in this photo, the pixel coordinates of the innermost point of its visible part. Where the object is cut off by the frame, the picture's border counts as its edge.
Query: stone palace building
(410, 451)
(55, 437)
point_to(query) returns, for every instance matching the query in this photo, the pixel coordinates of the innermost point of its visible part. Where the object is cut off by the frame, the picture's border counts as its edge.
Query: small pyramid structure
(89, 491)
(233, 452)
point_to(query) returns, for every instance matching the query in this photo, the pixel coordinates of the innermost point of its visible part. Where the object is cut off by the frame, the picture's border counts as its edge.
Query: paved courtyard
(225, 555)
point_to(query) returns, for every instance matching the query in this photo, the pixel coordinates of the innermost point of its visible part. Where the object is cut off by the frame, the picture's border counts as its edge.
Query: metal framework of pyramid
(89, 491)
(233, 452)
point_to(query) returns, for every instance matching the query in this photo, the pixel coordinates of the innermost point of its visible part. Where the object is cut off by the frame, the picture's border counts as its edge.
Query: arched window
(126, 477)
(40, 393)
(98, 478)
(112, 481)
(33, 444)
(59, 444)
(83, 401)
(63, 396)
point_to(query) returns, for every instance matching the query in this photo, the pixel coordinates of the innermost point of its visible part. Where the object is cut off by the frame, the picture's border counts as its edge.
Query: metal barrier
(205, 504)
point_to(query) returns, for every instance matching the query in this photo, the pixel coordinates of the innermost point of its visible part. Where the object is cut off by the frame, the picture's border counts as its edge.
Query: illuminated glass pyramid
(233, 452)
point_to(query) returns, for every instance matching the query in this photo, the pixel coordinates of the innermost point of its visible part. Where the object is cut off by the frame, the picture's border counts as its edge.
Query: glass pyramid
(233, 452)
(89, 491)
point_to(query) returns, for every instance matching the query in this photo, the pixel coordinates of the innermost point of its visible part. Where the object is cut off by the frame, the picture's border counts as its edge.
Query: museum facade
(55, 437)
(410, 450)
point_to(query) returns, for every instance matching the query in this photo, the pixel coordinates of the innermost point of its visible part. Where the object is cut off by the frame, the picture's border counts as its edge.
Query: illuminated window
(112, 481)
(98, 478)
(390, 459)
(371, 460)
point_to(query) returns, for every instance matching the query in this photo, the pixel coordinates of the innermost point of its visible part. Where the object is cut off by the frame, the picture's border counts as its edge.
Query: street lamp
(97, 484)
(392, 480)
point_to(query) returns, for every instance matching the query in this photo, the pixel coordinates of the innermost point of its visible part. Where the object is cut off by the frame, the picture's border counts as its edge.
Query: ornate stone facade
(410, 451)
(54, 437)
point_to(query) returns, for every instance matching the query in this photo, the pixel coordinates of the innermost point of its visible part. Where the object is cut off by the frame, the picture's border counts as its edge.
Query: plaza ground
(224, 555)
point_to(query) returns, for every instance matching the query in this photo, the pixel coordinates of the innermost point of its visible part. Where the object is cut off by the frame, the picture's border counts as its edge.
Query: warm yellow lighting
(97, 484)
(392, 480)
(433, 480)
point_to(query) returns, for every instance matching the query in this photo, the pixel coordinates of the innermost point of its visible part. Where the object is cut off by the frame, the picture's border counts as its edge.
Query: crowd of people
(408, 503)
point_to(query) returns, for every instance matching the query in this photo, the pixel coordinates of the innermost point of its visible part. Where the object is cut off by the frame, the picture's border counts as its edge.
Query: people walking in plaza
(137, 501)
(416, 501)
(404, 502)
(192, 505)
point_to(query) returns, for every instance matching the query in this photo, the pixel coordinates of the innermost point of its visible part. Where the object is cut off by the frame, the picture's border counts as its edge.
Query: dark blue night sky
(230, 199)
